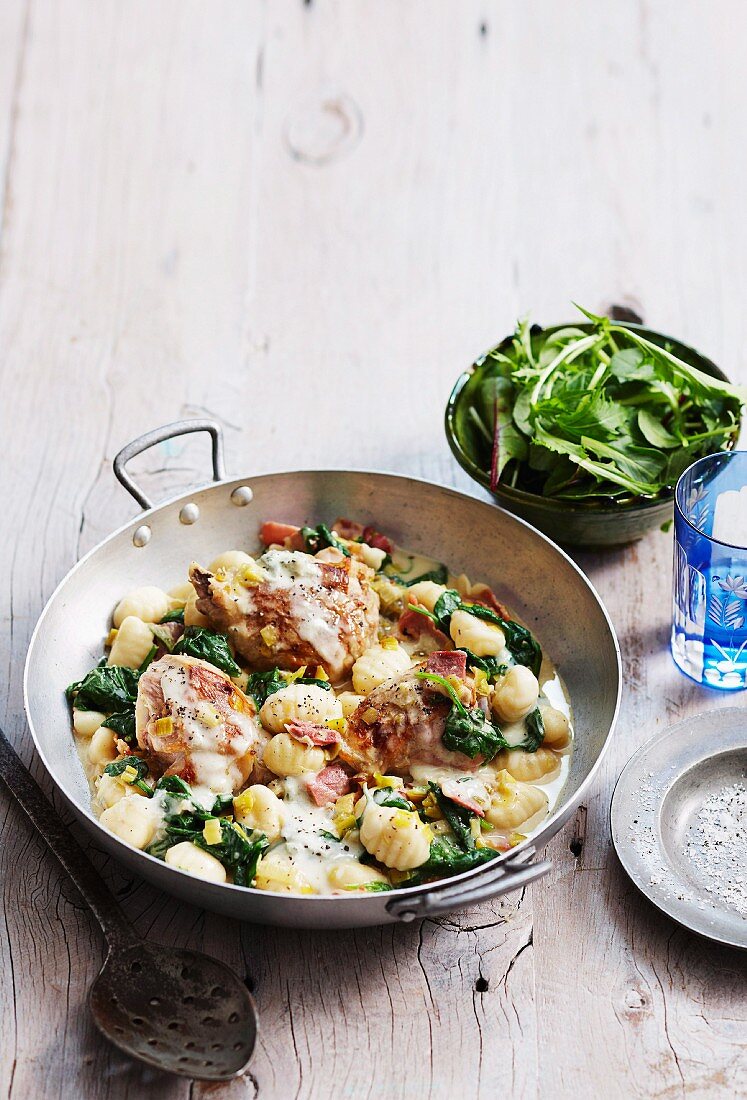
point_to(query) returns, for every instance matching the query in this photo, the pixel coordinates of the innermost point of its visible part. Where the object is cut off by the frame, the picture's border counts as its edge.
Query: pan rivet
(242, 496)
(190, 513)
(142, 535)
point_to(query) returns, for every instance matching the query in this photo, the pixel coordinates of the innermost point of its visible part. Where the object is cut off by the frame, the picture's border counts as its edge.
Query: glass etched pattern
(709, 627)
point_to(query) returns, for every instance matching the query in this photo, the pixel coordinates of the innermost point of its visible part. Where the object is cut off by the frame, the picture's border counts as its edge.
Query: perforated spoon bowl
(180, 1011)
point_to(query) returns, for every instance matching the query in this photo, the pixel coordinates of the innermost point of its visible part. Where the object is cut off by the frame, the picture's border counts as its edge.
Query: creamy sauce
(311, 853)
(215, 769)
(314, 622)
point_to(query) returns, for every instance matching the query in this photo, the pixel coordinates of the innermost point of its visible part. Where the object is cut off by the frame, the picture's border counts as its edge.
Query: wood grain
(304, 219)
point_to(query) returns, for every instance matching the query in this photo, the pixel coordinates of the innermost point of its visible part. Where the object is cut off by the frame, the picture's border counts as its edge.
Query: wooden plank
(209, 206)
(121, 291)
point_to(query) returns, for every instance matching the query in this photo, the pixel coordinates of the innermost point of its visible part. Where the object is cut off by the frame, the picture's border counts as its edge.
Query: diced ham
(328, 784)
(456, 792)
(312, 734)
(272, 532)
(347, 529)
(483, 595)
(448, 663)
(413, 624)
(375, 538)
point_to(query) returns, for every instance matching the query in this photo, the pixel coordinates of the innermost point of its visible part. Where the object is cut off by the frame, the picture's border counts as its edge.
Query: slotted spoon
(179, 1011)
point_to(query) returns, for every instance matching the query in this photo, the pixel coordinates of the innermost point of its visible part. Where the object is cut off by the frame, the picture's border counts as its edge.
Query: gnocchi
(516, 695)
(110, 789)
(512, 803)
(276, 872)
(186, 856)
(86, 722)
(102, 748)
(285, 756)
(529, 767)
(378, 664)
(133, 820)
(427, 593)
(230, 560)
(557, 727)
(397, 838)
(348, 874)
(258, 808)
(349, 702)
(299, 702)
(132, 644)
(391, 725)
(147, 603)
(193, 617)
(480, 637)
(180, 593)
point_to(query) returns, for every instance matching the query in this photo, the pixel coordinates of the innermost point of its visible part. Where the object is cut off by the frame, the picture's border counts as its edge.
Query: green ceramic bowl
(573, 523)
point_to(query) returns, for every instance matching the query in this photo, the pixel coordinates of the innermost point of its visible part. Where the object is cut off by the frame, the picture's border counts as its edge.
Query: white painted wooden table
(303, 219)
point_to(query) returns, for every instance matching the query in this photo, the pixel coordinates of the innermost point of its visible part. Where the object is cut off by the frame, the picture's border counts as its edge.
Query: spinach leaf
(458, 817)
(138, 764)
(325, 684)
(520, 642)
(439, 575)
(149, 658)
(491, 666)
(262, 684)
(223, 805)
(174, 785)
(123, 724)
(175, 616)
(107, 688)
(387, 796)
(447, 858)
(237, 850)
(370, 887)
(472, 733)
(467, 731)
(329, 836)
(522, 645)
(446, 604)
(208, 646)
(319, 537)
(535, 731)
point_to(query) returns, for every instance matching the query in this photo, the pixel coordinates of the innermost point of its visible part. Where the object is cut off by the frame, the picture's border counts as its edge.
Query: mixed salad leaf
(596, 413)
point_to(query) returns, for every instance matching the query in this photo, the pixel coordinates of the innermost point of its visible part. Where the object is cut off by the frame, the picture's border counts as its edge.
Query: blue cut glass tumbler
(709, 628)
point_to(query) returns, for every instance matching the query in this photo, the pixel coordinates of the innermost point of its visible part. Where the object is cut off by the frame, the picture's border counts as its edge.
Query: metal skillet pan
(538, 582)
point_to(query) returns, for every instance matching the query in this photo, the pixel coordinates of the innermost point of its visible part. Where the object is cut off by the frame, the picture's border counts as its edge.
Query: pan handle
(505, 876)
(160, 435)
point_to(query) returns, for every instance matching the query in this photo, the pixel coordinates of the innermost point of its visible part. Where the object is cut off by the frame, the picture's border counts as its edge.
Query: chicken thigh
(290, 609)
(198, 724)
(402, 721)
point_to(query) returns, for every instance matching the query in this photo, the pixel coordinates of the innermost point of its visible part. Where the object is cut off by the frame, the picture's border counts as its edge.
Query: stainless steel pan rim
(507, 872)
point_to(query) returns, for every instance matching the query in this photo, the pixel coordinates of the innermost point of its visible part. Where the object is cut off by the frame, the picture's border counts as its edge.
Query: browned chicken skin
(209, 733)
(400, 723)
(304, 610)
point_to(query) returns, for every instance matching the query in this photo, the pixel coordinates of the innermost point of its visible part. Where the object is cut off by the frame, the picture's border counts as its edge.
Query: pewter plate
(679, 823)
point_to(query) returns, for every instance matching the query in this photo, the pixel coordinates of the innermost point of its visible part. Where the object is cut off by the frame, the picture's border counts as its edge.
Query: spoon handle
(115, 926)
